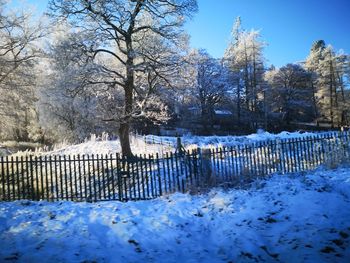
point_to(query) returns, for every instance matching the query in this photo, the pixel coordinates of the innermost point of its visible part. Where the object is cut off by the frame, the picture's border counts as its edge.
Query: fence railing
(112, 177)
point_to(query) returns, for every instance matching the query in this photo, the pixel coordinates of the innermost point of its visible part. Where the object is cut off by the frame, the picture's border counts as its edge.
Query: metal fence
(112, 177)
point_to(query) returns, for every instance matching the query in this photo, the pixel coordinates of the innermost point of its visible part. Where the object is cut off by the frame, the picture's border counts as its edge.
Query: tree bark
(124, 129)
(125, 139)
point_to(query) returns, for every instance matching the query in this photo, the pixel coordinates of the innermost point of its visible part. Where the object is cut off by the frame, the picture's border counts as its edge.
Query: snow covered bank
(299, 218)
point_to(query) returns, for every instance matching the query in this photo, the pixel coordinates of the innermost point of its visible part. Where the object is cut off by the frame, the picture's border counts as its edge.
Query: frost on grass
(299, 218)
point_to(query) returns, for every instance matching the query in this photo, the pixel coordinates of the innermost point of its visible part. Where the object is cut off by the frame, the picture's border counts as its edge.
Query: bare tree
(119, 28)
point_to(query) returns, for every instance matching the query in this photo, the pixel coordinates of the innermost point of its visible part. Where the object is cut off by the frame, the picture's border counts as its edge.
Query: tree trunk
(314, 99)
(124, 137)
(331, 93)
(238, 102)
(124, 129)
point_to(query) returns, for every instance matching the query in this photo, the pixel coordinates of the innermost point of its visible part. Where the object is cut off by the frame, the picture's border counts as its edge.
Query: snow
(291, 218)
(96, 145)
(151, 144)
(191, 141)
(223, 112)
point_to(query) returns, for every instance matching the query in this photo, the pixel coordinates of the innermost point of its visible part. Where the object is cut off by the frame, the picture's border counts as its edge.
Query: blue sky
(288, 26)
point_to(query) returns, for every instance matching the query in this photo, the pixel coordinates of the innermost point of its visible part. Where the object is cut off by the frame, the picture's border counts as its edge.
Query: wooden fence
(112, 177)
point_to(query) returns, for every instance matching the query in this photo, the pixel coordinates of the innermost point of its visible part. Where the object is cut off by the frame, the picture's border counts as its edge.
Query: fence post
(280, 158)
(206, 169)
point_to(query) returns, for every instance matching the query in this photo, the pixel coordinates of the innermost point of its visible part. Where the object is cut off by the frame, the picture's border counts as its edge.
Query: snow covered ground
(190, 141)
(151, 144)
(294, 218)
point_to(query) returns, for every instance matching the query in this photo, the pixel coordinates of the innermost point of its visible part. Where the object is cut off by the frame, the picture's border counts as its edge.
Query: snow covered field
(295, 218)
(151, 144)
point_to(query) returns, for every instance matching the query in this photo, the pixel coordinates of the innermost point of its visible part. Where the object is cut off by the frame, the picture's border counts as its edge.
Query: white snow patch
(289, 218)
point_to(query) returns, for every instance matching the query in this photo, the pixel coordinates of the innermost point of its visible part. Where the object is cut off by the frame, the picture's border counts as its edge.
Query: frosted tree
(210, 83)
(330, 70)
(67, 109)
(290, 92)
(244, 56)
(119, 28)
(19, 51)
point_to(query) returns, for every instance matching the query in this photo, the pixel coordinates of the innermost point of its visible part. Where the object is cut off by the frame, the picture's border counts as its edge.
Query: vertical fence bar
(31, 176)
(112, 177)
(75, 178)
(316, 151)
(177, 172)
(127, 179)
(216, 153)
(168, 171)
(97, 173)
(11, 179)
(70, 178)
(103, 178)
(108, 178)
(85, 178)
(92, 172)
(23, 190)
(172, 169)
(65, 177)
(300, 154)
(159, 175)
(138, 175)
(304, 153)
(223, 166)
(133, 174)
(2, 178)
(318, 144)
(7, 188)
(56, 178)
(256, 162)
(297, 154)
(36, 178)
(143, 176)
(290, 154)
(90, 195)
(60, 175)
(189, 158)
(42, 196)
(46, 174)
(275, 156)
(81, 175)
(268, 157)
(146, 175)
(164, 175)
(309, 146)
(228, 164)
